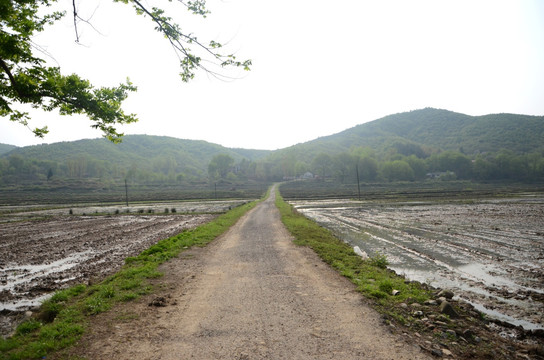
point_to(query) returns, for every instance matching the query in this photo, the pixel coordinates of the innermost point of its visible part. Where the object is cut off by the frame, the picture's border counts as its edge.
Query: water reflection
(491, 253)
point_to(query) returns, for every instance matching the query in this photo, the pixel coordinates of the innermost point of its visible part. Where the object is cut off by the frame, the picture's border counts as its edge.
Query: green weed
(379, 260)
(28, 326)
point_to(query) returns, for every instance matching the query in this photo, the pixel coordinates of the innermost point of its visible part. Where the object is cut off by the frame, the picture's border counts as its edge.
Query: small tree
(397, 170)
(219, 166)
(322, 164)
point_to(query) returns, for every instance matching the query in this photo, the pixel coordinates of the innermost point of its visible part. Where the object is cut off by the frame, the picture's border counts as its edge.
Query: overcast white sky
(319, 67)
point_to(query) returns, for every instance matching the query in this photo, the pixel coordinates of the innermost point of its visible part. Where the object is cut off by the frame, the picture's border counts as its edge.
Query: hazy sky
(319, 67)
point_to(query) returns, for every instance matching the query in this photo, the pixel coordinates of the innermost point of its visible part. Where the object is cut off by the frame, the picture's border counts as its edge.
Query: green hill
(147, 158)
(435, 130)
(404, 146)
(410, 145)
(5, 148)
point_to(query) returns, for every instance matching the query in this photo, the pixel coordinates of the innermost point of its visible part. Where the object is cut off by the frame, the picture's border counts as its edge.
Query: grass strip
(371, 276)
(64, 317)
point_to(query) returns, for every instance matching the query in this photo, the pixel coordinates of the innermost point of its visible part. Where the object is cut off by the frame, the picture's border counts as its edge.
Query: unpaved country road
(251, 294)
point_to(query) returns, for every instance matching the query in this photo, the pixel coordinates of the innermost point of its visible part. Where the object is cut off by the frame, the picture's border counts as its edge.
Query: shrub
(379, 260)
(386, 286)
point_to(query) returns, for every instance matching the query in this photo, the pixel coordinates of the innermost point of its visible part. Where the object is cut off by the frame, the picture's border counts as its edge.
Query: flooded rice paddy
(490, 252)
(42, 251)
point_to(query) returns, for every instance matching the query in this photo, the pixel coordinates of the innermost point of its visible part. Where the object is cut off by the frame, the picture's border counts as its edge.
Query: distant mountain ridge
(418, 132)
(5, 148)
(143, 152)
(437, 130)
(448, 130)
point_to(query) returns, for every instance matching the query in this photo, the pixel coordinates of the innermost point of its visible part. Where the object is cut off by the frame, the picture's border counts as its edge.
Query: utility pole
(358, 186)
(126, 191)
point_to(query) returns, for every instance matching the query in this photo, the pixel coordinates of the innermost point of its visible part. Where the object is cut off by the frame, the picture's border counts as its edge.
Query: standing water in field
(44, 250)
(490, 252)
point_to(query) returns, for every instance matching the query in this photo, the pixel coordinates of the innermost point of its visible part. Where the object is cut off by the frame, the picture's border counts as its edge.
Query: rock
(447, 309)
(468, 333)
(158, 301)
(446, 352)
(403, 305)
(436, 352)
(418, 313)
(430, 302)
(448, 294)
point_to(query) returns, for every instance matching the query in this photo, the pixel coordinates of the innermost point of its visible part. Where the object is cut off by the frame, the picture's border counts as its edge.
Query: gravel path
(252, 294)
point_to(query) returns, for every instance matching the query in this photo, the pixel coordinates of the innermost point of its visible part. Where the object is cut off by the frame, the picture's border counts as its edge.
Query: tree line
(361, 163)
(368, 166)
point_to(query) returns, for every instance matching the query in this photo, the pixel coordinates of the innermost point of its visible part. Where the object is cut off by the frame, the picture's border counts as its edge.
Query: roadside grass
(63, 318)
(371, 276)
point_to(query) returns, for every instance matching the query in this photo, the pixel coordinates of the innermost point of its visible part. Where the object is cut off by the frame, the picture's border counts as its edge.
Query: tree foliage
(26, 80)
(139, 158)
(219, 166)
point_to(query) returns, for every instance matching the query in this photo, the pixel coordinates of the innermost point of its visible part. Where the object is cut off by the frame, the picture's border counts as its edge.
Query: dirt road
(251, 294)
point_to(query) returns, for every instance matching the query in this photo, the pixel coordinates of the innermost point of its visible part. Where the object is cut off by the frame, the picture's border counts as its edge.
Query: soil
(490, 252)
(38, 257)
(251, 294)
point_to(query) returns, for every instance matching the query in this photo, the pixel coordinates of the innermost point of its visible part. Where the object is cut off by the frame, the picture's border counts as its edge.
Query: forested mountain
(4, 148)
(401, 147)
(433, 130)
(142, 157)
(428, 142)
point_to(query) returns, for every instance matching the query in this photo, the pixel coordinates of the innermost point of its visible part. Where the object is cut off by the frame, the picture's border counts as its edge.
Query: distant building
(443, 175)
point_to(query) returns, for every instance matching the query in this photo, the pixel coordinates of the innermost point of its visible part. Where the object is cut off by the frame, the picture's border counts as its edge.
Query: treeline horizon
(362, 163)
(420, 145)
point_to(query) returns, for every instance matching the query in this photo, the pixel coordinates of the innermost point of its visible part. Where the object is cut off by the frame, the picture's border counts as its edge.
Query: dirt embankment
(251, 294)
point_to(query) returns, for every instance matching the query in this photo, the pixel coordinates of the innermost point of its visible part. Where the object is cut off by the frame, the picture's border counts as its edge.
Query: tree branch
(75, 20)
(12, 80)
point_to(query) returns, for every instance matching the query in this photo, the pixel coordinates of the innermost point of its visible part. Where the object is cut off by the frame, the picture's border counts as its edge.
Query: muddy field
(490, 252)
(45, 250)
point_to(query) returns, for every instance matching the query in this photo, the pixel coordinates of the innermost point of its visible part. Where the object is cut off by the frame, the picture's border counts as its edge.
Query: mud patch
(490, 252)
(49, 251)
